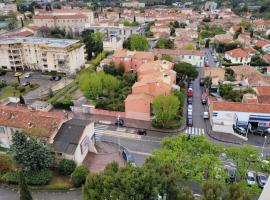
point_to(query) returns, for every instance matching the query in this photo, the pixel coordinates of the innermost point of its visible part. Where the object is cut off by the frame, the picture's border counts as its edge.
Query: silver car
(251, 178)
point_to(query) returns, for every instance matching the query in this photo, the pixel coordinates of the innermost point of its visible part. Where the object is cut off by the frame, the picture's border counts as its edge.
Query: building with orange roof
(238, 56)
(131, 60)
(261, 43)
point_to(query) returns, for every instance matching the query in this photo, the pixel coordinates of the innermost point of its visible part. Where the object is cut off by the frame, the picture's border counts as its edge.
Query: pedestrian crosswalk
(99, 130)
(193, 131)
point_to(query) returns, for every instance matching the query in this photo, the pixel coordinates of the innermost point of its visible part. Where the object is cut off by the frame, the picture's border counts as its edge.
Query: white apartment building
(45, 54)
(70, 20)
(6, 9)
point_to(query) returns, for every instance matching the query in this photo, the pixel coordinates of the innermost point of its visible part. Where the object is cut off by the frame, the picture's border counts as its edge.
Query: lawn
(14, 90)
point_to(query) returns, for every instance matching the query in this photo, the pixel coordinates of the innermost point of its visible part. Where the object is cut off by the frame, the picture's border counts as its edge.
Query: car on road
(17, 74)
(119, 122)
(201, 81)
(262, 179)
(190, 85)
(127, 156)
(204, 98)
(2, 73)
(189, 100)
(189, 121)
(205, 115)
(190, 92)
(240, 130)
(189, 113)
(231, 174)
(28, 75)
(251, 178)
(55, 78)
(25, 83)
(190, 107)
(141, 131)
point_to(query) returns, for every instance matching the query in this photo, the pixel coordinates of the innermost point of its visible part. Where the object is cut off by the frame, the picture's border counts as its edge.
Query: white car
(189, 108)
(189, 113)
(205, 115)
(251, 180)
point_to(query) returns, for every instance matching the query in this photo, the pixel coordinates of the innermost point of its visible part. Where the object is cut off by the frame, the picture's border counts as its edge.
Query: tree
(138, 43)
(164, 43)
(30, 153)
(79, 175)
(24, 191)
(185, 71)
(236, 192)
(93, 43)
(165, 109)
(256, 60)
(167, 57)
(22, 101)
(225, 89)
(212, 190)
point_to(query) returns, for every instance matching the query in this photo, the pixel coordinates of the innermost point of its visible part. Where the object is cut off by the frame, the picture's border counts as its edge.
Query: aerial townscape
(134, 99)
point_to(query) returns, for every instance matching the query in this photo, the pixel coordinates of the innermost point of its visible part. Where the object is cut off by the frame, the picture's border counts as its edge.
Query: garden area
(227, 92)
(107, 89)
(40, 168)
(15, 89)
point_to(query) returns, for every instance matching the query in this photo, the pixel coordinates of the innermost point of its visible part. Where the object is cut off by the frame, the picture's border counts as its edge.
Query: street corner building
(45, 54)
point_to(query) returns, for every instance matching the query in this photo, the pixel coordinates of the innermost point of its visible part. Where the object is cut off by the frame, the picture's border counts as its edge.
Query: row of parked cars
(189, 103)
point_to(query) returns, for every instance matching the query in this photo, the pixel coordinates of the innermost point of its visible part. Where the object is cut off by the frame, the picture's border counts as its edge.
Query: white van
(205, 115)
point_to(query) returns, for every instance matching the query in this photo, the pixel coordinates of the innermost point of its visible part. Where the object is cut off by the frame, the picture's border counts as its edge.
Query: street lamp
(265, 138)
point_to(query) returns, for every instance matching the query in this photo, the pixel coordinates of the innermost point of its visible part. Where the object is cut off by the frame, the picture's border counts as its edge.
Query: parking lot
(42, 80)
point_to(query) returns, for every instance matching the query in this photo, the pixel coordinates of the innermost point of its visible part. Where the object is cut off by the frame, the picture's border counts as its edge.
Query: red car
(190, 93)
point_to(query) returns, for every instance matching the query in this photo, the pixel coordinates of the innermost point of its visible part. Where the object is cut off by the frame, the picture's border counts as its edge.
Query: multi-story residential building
(131, 60)
(70, 20)
(45, 54)
(7, 9)
(210, 5)
(153, 79)
(194, 57)
(133, 4)
(238, 56)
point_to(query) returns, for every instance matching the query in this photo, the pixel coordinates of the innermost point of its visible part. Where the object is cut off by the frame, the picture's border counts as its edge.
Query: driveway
(42, 80)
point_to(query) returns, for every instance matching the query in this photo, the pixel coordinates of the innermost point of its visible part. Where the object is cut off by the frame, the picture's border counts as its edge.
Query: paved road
(210, 58)
(11, 194)
(43, 81)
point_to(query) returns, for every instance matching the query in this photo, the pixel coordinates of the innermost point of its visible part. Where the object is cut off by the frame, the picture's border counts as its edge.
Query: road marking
(193, 131)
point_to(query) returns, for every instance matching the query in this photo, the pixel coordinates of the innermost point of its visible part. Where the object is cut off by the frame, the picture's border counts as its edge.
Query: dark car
(2, 73)
(55, 78)
(240, 130)
(119, 122)
(128, 157)
(201, 81)
(190, 84)
(262, 179)
(231, 175)
(141, 131)
(189, 100)
(189, 121)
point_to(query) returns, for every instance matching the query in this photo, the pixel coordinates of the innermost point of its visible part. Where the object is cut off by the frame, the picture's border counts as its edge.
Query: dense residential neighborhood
(139, 100)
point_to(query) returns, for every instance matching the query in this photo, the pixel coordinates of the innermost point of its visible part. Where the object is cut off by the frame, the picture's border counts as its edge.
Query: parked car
(231, 174)
(190, 107)
(251, 178)
(28, 75)
(128, 157)
(25, 83)
(204, 98)
(2, 73)
(189, 113)
(119, 122)
(55, 78)
(189, 121)
(141, 131)
(205, 115)
(189, 100)
(262, 179)
(190, 92)
(201, 81)
(240, 130)
(17, 74)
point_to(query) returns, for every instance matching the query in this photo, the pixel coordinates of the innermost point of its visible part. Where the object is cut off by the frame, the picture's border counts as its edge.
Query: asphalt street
(210, 58)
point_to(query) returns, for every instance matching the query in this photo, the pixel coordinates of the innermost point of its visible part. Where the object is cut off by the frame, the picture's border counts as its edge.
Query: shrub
(41, 177)
(79, 175)
(5, 163)
(21, 89)
(66, 167)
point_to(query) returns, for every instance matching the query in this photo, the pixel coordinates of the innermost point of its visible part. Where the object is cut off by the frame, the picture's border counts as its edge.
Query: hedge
(66, 167)
(78, 177)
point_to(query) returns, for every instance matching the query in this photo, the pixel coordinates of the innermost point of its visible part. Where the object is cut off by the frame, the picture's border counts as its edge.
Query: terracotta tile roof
(250, 50)
(264, 99)
(144, 55)
(241, 107)
(120, 53)
(267, 57)
(263, 91)
(76, 16)
(141, 96)
(244, 70)
(37, 123)
(18, 34)
(237, 53)
(177, 52)
(261, 43)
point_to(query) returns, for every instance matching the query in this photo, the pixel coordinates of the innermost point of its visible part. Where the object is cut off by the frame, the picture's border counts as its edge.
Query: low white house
(74, 140)
(238, 56)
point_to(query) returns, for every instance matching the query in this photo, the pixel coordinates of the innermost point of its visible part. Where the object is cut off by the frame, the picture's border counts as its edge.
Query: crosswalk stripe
(194, 131)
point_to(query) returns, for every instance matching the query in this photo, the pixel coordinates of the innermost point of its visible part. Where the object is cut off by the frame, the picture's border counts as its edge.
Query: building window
(2, 130)
(45, 66)
(189, 57)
